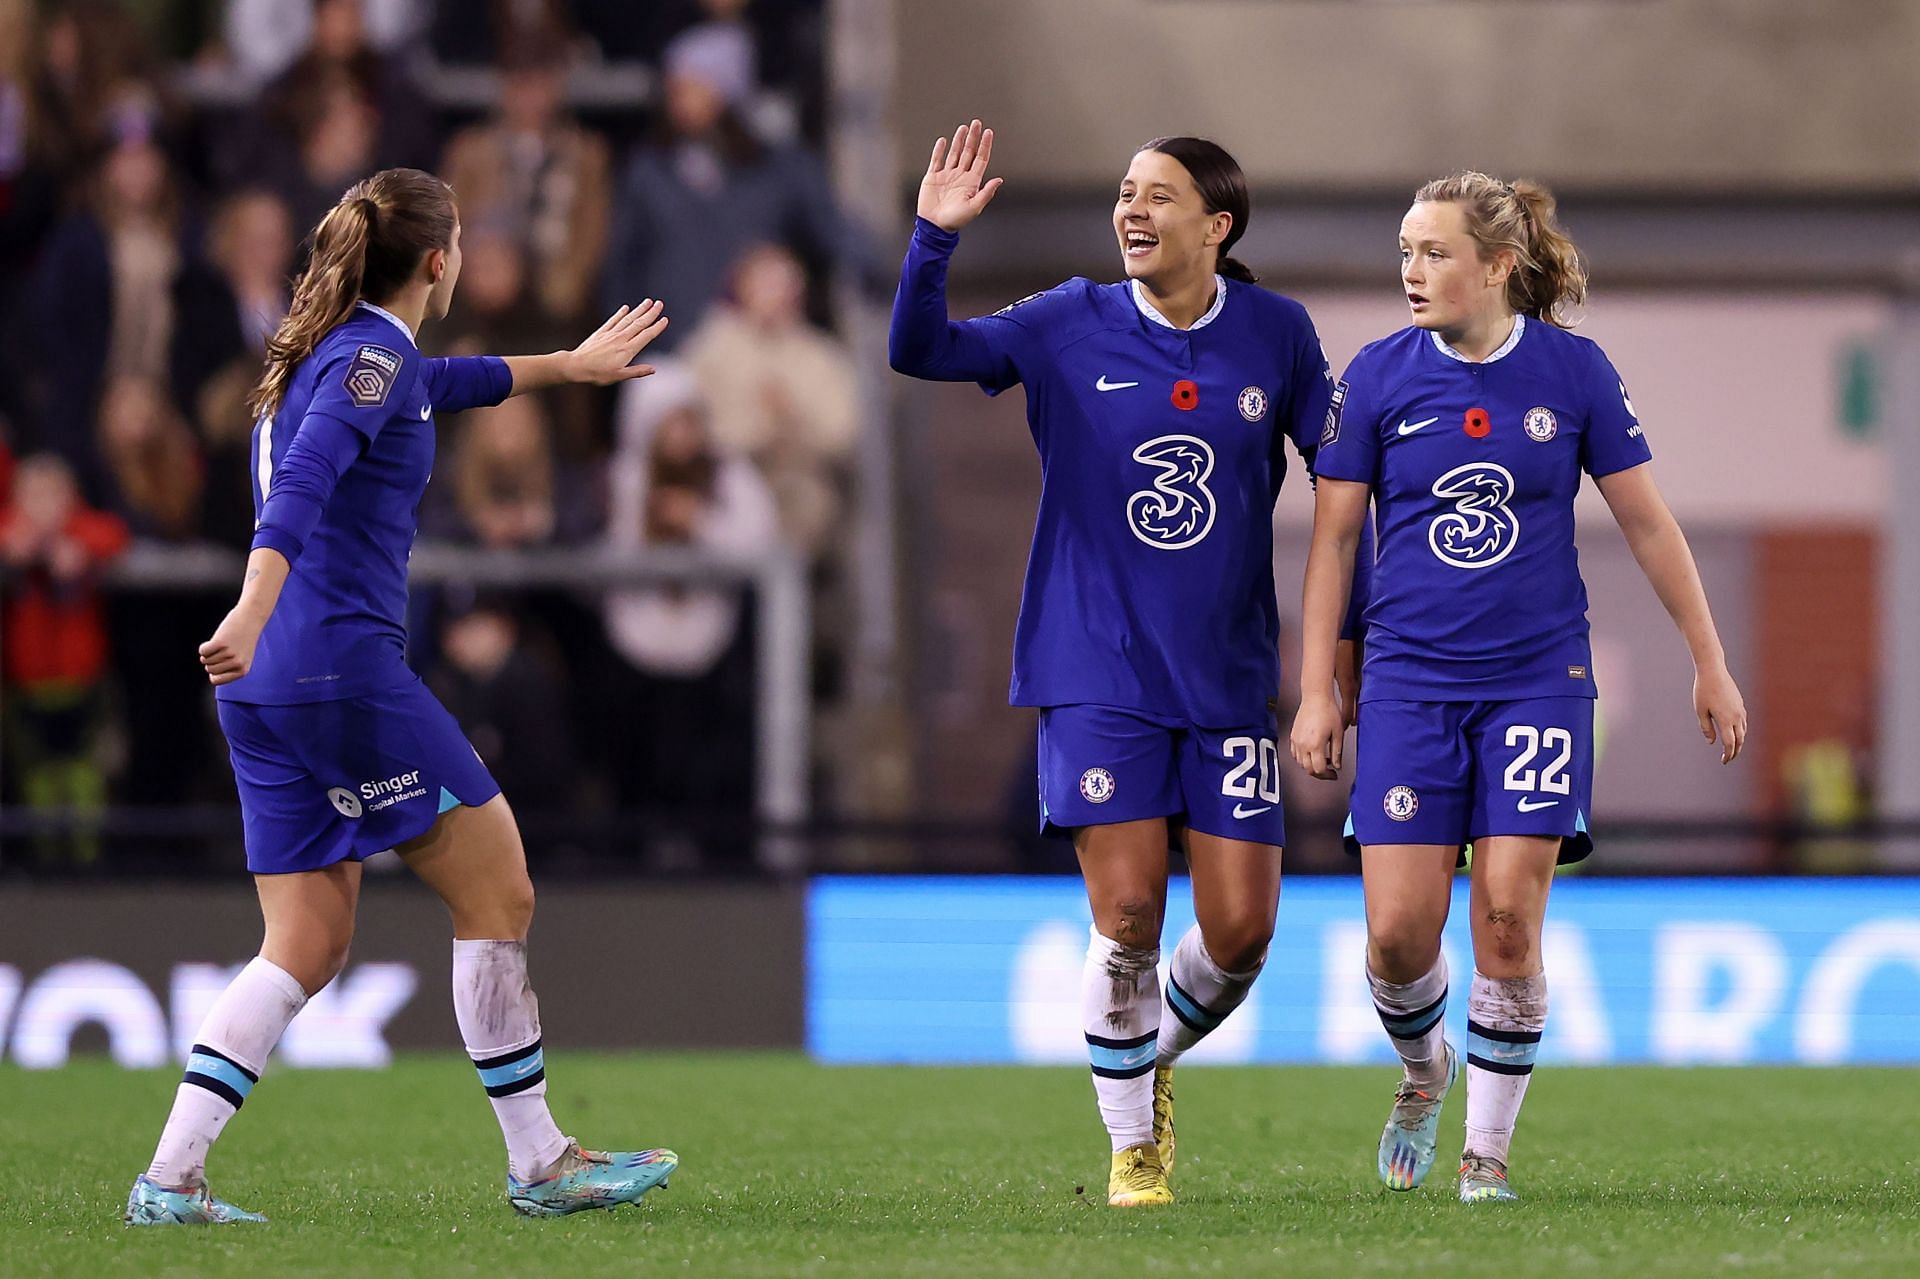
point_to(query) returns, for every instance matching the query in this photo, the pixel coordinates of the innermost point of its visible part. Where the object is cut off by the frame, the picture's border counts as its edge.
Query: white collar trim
(388, 316)
(1513, 340)
(1153, 313)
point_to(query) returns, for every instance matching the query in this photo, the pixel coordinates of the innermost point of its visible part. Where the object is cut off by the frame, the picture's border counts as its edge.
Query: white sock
(1415, 1015)
(231, 1050)
(1200, 995)
(1504, 1021)
(500, 1023)
(1120, 1013)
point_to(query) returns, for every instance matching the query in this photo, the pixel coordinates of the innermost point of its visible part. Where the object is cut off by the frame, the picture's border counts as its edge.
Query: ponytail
(1549, 278)
(1235, 269)
(324, 297)
(368, 246)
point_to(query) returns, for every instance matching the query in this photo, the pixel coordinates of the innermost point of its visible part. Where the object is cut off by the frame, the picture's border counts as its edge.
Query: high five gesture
(956, 187)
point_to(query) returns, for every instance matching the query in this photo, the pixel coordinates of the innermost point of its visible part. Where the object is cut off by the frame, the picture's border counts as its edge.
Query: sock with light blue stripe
(1200, 995)
(1415, 1015)
(500, 1021)
(235, 1040)
(1505, 1017)
(1120, 1014)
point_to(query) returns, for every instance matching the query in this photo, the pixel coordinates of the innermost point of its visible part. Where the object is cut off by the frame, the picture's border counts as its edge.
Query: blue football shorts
(1455, 772)
(1100, 765)
(325, 782)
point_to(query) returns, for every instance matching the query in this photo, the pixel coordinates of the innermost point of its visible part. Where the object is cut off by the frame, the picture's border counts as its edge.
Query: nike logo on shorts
(1406, 429)
(1532, 805)
(1243, 812)
(1103, 385)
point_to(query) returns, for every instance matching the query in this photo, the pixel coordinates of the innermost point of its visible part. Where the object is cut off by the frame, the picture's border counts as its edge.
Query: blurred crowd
(161, 162)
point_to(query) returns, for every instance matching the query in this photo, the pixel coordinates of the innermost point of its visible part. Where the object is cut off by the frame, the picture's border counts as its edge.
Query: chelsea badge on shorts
(1401, 803)
(1096, 786)
(1541, 424)
(1253, 404)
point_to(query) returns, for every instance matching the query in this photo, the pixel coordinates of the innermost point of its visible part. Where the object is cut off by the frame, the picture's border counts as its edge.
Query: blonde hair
(368, 246)
(1549, 279)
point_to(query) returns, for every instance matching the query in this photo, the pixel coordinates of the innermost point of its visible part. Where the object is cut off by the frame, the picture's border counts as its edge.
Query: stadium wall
(1610, 94)
(1731, 972)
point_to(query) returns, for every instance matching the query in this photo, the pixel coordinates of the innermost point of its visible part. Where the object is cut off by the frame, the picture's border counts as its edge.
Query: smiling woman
(1149, 632)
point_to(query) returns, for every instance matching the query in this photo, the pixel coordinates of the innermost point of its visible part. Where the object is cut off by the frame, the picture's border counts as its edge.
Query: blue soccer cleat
(1407, 1143)
(586, 1179)
(1483, 1179)
(152, 1204)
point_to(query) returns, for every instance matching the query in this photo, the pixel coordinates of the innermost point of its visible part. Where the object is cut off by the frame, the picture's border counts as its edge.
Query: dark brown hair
(1222, 186)
(368, 246)
(1549, 278)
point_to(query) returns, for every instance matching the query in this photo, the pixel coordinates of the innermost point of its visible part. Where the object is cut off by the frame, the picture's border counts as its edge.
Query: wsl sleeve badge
(1331, 432)
(371, 376)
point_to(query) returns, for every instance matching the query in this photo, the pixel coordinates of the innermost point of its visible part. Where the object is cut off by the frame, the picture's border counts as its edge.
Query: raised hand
(607, 354)
(956, 187)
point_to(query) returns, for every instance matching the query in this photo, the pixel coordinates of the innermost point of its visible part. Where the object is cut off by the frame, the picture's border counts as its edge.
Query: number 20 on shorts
(1255, 756)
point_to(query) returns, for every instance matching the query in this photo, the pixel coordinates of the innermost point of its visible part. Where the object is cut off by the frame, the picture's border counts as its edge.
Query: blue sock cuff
(515, 1070)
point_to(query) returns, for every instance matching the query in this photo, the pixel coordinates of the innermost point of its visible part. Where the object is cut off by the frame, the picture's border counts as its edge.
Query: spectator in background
(705, 188)
(91, 56)
(684, 662)
(340, 52)
(265, 37)
(534, 177)
(503, 477)
(781, 393)
(336, 147)
(504, 690)
(122, 292)
(152, 459)
(55, 644)
(30, 165)
(252, 245)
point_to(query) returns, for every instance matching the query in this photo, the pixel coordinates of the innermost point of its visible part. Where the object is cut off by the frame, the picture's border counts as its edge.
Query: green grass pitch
(795, 1169)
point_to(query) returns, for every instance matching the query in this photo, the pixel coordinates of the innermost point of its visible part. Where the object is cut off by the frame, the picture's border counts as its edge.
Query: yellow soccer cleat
(1138, 1179)
(1163, 1115)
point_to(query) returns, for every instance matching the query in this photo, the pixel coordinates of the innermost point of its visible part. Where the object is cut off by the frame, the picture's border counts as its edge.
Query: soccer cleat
(1138, 1179)
(151, 1204)
(1483, 1179)
(1407, 1143)
(1163, 1115)
(586, 1179)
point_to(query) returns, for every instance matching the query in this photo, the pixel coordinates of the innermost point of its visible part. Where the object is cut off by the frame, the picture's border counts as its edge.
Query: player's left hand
(1721, 710)
(607, 355)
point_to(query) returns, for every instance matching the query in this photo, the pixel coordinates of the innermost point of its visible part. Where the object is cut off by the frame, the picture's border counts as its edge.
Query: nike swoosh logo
(1135, 1058)
(1406, 429)
(1241, 810)
(525, 1066)
(1528, 806)
(425, 410)
(1104, 385)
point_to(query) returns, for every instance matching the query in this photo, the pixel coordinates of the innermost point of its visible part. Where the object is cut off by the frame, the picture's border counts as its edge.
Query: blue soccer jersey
(1476, 592)
(339, 629)
(1150, 582)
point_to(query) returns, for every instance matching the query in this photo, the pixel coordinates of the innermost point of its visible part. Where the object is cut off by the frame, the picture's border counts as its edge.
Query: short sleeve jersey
(1477, 594)
(339, 628)
(1150, 582)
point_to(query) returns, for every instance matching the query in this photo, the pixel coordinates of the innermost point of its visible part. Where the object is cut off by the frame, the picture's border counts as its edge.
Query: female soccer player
(1469, 431)
(1148, 632)
(338, 748)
